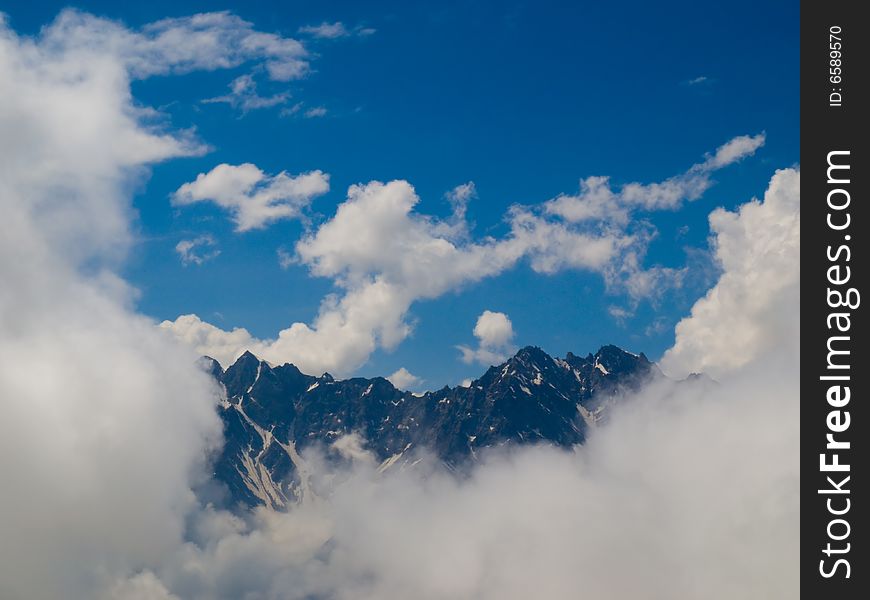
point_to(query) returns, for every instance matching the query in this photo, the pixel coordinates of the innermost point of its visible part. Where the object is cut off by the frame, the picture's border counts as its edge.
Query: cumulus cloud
(383, 256)
(221, 345)
(115, 418)
(197, 251)
(493, 329)
(494, 332)
(253, 198)
(404, 379)
(748, 313)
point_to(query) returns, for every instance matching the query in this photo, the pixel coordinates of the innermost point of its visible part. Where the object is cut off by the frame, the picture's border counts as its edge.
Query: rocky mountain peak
(274, 413)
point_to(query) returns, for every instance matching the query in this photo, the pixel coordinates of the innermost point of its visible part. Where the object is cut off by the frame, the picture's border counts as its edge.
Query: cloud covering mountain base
(689, 492)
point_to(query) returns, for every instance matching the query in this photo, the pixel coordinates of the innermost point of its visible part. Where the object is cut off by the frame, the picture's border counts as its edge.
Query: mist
(689, 491)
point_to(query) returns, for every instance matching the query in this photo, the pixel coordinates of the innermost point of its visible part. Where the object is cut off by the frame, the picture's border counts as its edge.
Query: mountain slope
(272, 414)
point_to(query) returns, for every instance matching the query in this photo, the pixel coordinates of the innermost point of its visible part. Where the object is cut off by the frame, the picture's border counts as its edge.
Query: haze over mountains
(272, 414)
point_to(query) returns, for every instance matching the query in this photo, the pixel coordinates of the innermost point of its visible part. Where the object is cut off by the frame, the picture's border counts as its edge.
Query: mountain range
(272, 414)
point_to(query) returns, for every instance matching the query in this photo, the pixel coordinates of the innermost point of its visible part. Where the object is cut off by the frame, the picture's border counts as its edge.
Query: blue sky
(524, 99)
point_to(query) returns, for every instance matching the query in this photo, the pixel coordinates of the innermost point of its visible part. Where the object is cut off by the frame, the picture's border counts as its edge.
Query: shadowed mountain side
(271, 414)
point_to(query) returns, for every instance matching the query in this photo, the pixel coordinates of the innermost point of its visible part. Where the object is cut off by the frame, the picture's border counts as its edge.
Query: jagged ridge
(271, 414)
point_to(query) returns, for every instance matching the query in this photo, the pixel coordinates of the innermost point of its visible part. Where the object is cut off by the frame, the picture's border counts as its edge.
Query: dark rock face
(271, 414)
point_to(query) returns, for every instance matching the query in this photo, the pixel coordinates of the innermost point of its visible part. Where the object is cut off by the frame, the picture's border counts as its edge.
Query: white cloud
(326, 30)
(459, 197)
(748, 314)
(494, 332)
(285, 259)
(223, 346)
(735, 150)
(619, 313)
(352, 446)
(640, 511)
(597, 200)
(206, 41)
(243, 96)
(335, 30)
(253, 198)
(314, 112)
(404, 379)
(115, 418)
(144, 586)
(493, 329)
(383, 256)
(462, 193)
(291, 110)
(189, 255)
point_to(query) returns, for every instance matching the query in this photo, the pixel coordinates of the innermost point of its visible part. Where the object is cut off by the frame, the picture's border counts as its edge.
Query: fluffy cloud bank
(641, 511)
(750, 312)
(383, 256)
(107, 423)
(253, 198)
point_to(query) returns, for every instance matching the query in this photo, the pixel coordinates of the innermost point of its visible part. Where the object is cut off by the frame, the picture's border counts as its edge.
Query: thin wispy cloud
(289, 111)
(335, 30)
(285, 259)
(244, 96)
(198, 250)
(315, 112)
(326, 30)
